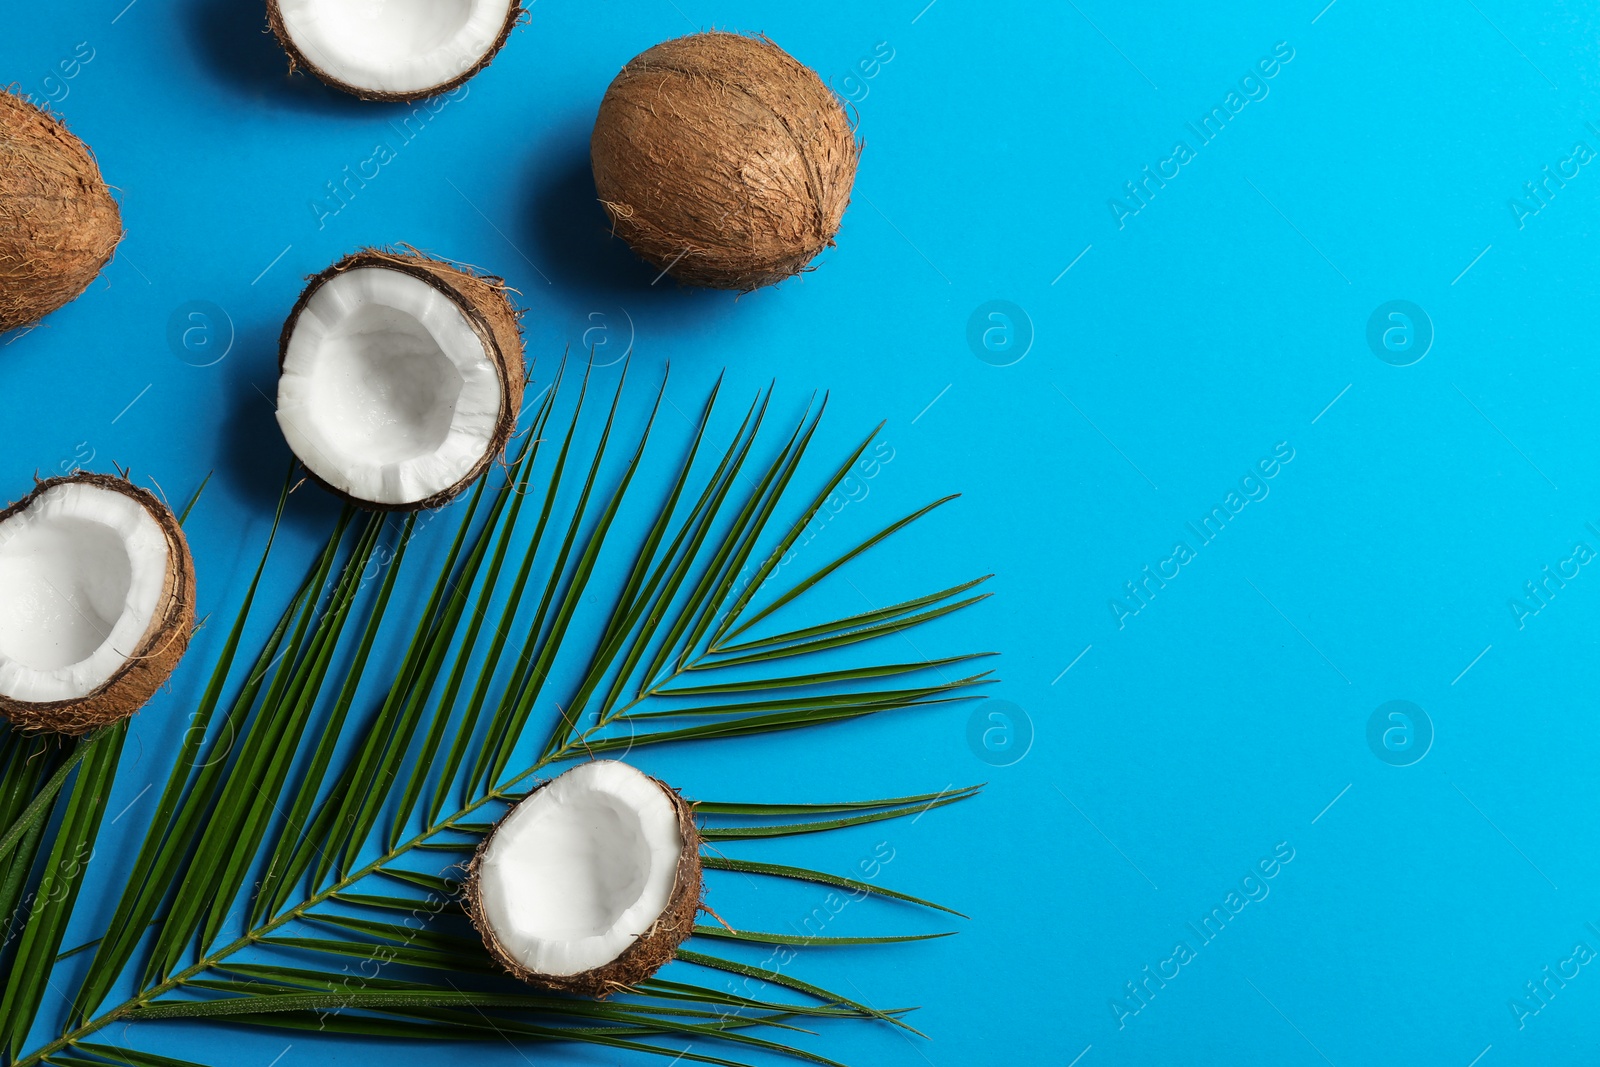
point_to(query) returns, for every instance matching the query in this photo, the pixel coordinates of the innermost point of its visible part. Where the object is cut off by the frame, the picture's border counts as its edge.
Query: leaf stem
(176, 981)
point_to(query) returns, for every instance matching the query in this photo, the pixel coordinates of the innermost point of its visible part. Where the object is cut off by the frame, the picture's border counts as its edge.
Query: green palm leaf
(801, 874)
(307, 821)
(35, 770)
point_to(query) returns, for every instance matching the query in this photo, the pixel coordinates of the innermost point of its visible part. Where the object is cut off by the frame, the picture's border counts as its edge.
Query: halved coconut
(401, 378)
(96, 603)
(58, 223)
(589, 884)
(392, 49)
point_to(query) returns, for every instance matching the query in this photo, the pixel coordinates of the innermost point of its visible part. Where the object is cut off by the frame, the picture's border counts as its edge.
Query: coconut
(392, 49)
(58, 223)
(723, 160)
(590, 883)
(96, 603)
(401, 378)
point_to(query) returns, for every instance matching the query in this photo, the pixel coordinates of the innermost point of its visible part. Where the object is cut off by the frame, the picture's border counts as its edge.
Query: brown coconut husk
(723, 160)
(485, 302)
(58, 223)
(298, 60)
(652, 950)
(152, 661)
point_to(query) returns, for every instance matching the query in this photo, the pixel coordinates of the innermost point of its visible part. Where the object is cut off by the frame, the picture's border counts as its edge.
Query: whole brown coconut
(650, 950)
(150, 658)
(723, 160)
(58, 223)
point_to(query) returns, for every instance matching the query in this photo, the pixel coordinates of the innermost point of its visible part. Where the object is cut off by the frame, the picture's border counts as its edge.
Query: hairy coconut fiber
(652, 950)
(298, 60)
(58, 223)
(484, 302)
(156, 656)
(723, 160)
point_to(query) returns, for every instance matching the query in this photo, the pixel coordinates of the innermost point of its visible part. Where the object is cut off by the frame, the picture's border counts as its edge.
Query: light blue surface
(1222, 325)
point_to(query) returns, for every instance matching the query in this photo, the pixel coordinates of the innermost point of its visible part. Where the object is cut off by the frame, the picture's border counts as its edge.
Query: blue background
(1172, 749)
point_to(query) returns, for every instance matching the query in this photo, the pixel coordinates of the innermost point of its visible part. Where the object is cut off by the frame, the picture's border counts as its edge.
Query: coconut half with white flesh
(591, 883)
(96, 603)
(392, 49)
(401, 378)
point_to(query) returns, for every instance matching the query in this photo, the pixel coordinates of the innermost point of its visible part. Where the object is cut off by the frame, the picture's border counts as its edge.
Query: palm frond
(802, 874)
(51, 905)
(35, 770)
(307, 821)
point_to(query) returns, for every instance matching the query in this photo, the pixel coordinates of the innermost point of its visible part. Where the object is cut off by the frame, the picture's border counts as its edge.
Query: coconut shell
(723, 160)
(298, 60)
(483, 299)
(153, 659)
(652, 950)
(58, 223)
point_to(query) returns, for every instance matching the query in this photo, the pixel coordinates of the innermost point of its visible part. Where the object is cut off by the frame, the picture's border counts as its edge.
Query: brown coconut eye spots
(723, 160)
(58, 223)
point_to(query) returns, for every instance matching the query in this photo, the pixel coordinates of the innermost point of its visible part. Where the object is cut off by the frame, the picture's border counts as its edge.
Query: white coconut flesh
(394, 46)
(387, 393)
(82, 571)
(580, 869)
